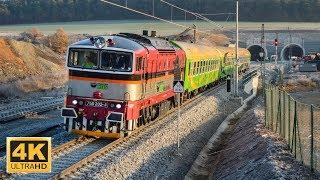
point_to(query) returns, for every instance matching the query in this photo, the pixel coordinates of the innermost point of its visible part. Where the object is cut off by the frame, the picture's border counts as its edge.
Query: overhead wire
(202, 17)
(142, 13)
(217, 14)
(155, 17)
(197, 15)
(208, 32)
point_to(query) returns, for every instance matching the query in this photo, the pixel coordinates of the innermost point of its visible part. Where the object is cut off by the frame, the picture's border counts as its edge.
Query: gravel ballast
(153, 156)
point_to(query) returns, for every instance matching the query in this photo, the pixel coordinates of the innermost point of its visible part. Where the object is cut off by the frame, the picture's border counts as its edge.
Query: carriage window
(116, 61)
(207, 66)
(203, 67)
(83, 58)
(198, 67)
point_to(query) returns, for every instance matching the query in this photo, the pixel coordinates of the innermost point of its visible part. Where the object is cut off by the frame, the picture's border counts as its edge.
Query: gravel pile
(153, 156)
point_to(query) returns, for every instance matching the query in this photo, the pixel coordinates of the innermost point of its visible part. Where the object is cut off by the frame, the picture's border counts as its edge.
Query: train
(120, 82)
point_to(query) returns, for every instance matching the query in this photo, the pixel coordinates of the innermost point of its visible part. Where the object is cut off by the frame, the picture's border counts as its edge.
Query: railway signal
(276, 42)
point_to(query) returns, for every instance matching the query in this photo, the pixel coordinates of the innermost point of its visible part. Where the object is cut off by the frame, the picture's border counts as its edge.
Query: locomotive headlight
(74, 102)
(118, 106)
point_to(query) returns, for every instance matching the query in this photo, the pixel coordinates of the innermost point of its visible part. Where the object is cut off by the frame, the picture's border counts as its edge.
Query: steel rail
(67, 145)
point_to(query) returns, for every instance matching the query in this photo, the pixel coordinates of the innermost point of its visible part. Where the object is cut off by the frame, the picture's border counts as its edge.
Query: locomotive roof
(130, 42)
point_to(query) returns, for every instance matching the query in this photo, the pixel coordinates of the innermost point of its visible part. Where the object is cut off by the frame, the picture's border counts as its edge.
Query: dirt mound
(212, 39)
(209, 38)
(299, 81)
(26, 67)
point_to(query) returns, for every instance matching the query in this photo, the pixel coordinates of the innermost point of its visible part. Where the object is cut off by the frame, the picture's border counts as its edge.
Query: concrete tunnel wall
(293, 49)
(255, 49)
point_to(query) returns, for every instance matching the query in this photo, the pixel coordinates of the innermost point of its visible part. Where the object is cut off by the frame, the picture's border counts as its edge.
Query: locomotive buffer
(178, 89)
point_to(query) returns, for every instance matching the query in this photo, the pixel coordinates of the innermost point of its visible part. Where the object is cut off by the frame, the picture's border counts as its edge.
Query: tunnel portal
(292, 50)
(255, 50)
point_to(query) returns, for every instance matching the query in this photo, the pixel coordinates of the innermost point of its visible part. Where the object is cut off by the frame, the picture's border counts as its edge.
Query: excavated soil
(25, 67)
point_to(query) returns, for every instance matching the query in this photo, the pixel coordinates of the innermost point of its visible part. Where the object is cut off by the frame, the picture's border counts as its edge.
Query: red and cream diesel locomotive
(119, 82)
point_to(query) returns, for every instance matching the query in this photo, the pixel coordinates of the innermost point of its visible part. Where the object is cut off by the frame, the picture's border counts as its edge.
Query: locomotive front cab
(101, 85)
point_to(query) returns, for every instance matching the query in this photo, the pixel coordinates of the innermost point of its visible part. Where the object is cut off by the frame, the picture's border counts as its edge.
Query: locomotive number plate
(96, 104)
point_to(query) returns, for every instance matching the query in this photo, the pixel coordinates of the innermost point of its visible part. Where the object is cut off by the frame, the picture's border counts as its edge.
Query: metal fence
(296, 122)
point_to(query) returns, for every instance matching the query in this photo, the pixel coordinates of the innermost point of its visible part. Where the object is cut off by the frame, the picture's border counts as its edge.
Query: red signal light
(276, 42)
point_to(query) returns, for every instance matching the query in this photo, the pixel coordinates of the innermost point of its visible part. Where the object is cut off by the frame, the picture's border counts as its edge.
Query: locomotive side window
(83, 58)
(116, 61)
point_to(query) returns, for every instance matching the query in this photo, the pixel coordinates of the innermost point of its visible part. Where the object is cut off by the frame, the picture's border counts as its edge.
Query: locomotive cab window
(83, 58)
(116, 61)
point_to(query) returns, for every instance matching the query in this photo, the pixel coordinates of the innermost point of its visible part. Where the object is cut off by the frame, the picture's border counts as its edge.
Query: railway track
(93, 159)
(12, 112)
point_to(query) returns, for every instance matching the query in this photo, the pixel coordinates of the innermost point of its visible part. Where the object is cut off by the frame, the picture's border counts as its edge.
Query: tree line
(39, 11)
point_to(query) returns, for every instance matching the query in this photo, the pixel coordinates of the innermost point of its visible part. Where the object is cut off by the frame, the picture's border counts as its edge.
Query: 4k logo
(28, 154)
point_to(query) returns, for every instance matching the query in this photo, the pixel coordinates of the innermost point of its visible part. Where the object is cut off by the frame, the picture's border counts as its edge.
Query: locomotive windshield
(83, 58)
(116, 61)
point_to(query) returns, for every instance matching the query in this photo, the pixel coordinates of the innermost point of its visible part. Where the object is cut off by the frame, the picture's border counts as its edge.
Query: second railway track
(19, 110)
